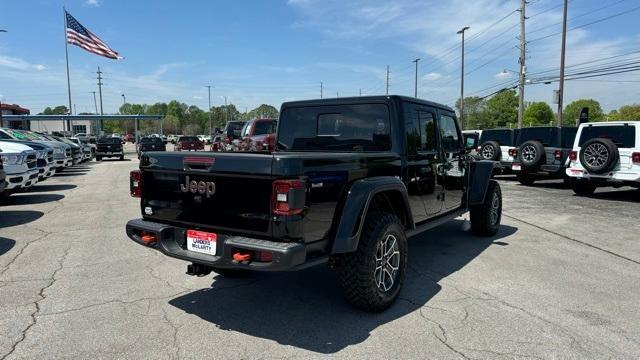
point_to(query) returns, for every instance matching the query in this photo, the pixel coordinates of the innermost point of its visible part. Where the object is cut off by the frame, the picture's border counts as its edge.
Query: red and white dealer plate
(202, 242)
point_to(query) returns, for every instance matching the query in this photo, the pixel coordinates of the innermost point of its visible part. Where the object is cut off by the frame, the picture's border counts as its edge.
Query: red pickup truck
(189, 143)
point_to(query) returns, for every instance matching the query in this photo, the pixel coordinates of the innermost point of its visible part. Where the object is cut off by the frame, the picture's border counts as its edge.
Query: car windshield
(623, 136)
(188, 138)
(548, 136)
(503, 137)
(362, 127)
(109, 140)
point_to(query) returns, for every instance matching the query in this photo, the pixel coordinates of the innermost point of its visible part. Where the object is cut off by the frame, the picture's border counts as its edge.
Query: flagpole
(66, 53)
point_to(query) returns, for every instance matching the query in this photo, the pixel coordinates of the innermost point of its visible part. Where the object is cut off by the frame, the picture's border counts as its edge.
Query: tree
(627, 112)
(58, 110)
(538, 113)
(474, 113)
(501, 110)
(572, 111)
(262, 111)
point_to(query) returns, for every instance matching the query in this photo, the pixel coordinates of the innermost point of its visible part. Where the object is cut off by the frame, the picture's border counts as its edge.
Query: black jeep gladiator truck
(348, 181)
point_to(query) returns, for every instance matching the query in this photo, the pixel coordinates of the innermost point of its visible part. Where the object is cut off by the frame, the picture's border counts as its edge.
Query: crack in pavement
(175, 328)
(574, 240)
(21, 251)
(42, 296)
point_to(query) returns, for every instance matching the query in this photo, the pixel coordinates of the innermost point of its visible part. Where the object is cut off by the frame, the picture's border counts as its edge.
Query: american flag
(82, 37)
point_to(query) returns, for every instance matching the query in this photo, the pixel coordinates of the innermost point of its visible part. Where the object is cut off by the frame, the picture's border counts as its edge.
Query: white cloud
(94, 3)
(15, 63)
(503, 75)
(434, 76)
(39, 67)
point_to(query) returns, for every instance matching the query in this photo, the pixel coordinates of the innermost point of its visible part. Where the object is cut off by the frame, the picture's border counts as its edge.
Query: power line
(578, 16)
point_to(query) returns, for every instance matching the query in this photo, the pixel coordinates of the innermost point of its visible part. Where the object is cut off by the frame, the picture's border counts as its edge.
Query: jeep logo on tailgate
(207, 188)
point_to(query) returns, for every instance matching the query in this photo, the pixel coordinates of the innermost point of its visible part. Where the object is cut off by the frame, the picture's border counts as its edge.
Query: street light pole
(124, 99)
(415, 91)
(461, 32)
(210, 122)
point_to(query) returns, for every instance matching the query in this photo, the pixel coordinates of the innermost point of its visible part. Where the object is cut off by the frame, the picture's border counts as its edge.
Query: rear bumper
(171, 241)
(109, 154)
(614, 176)
(543, 170)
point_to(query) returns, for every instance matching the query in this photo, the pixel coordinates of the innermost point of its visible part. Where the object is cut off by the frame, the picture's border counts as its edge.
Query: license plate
(202, 242)
(516, 167)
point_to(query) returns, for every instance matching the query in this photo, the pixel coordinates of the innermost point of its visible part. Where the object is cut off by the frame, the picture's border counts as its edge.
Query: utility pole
(95, 102)
(562, 53)
(226, 110)
(360, 91)
(387, 80)
(1, 124)
(415, 92)
(521, 60)
(461, 32)
(337, 94)
(100, 94)
(75, 111)
(210, 121)
(124, 99)
(321, 85)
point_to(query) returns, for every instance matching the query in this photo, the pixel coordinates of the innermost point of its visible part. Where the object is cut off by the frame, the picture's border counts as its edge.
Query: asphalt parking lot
(560, 280)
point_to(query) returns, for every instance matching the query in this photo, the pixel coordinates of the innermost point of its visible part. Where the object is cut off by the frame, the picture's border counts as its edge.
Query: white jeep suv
(605, 154)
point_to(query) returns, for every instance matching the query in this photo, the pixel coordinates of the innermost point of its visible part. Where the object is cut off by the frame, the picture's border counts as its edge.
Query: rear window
(622, 135)
(151, 140)
(502, 137)
(548, 136)
(361, 127)
(568, 136)
(109, 140)
(264, 127)
(188, 138)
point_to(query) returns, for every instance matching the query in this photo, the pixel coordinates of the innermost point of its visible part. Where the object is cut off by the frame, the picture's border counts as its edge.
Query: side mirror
(470, 143)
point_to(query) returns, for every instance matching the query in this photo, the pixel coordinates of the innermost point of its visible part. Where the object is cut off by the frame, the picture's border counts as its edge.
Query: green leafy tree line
(179, 118)
(501, 110)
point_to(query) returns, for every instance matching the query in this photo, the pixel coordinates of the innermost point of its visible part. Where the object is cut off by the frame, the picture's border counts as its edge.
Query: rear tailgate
(228, 192)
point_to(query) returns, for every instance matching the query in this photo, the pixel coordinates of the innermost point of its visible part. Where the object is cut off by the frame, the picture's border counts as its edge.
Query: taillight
(573, 155)
(557, 154)
(635, 157)
(135, 183)
(513, 152)
(288, 197)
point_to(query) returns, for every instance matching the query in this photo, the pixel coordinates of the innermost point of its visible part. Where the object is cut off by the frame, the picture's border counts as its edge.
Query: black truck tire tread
(480, 214)
(353, 270)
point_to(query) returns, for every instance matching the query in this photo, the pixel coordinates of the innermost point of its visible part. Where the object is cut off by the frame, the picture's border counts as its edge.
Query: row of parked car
(252, 135)
(586, 157)
(28, 157)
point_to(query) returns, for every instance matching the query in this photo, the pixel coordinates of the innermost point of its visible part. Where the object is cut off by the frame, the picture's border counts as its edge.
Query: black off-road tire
(121, 157)
(529, 147)
(602, 144)
(482, 221)
(495, 148)
(98, 158)
(583, 187)
(525, 178)
(356, 271)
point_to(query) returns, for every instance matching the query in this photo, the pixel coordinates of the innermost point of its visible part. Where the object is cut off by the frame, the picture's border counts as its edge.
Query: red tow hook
(238, 256)
(148, 239)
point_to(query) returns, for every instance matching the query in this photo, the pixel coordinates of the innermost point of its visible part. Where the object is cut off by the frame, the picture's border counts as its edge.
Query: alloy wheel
(495, 209)
(487, 152)
(528, 153)
(596, 155)
(387, 263)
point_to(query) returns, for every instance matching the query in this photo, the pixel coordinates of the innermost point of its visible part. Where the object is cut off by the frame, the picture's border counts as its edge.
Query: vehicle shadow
(114, 159)
(52, 187)
(71, 173)
(31, 199)
(549, 184)
(631, 195)
(6, 245)
(305, 309)
(18, 217)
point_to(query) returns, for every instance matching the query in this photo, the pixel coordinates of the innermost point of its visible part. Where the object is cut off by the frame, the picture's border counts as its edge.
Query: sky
(271, 51)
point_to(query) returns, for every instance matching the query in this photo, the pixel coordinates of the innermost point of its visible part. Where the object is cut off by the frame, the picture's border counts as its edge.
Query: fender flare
(356, 206)
(480, 173)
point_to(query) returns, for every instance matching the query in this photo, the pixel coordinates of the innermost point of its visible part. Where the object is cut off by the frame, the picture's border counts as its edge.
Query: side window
(4, 136)
(449, 133)
(427, 131)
